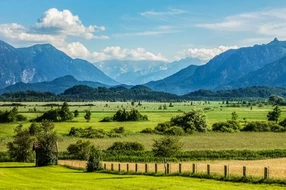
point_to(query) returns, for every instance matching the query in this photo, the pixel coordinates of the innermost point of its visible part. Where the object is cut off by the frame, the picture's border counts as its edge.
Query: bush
(166, 147)
(194, 120)
(107, 119)
(133, 115)
(283, 123)
(119, 130)
(80, 150)
(257, 126)
(161, 127)
(147, 130)
(228, 126)
(126, 146)
(175, 131)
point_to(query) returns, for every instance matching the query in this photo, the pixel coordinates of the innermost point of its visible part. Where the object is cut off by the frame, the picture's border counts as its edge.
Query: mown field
(24, 176)
(215, 111)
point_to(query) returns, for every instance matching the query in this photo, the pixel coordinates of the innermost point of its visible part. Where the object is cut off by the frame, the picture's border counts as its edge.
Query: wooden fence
(168, 168)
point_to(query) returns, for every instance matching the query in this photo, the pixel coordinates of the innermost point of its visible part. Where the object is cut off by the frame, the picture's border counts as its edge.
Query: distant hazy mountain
(57, 86)
(43, 63)
(226, 67)
(139, 72)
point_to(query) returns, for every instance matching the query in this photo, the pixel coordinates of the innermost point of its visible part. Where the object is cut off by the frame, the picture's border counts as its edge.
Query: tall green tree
(20, 149)
(234, 116)
(275, 114)
(94, 160)
(87, 115)
(65, 113)
(47, 149)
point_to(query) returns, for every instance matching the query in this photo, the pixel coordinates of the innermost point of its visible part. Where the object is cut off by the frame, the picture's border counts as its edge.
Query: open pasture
(25, 176)
(215, 111)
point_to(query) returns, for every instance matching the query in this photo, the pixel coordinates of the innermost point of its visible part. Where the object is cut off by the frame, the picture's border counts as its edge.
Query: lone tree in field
(166, 147)
(65, 113)
(234, 116)
(195, 120)
(275, 114)
(87, 115)
(20, 149)
(46, 146)
(94, 160)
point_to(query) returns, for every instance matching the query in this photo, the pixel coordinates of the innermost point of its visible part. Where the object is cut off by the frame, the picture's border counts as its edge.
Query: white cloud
(169, 12)
(66, 23)
(270, 22)
(76, 49)
(204, 54)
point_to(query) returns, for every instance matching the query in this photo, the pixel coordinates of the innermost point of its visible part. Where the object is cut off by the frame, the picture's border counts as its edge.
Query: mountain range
(52, 70)
(256, 65)
(57, 86)
(44, 62)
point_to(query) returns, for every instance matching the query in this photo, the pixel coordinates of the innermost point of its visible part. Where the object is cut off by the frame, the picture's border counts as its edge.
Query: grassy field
(25, 176)
(215, 111)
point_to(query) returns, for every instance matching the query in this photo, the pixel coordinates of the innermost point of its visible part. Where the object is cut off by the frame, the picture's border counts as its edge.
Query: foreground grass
(25, 176)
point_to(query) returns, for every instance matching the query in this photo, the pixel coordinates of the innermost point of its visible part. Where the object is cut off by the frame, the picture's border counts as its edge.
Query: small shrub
(161, 127)
(228, 126)
(119, 130)
(147, 130)
(257, 126)
(126, 146)
(107, 119)
(175, 131)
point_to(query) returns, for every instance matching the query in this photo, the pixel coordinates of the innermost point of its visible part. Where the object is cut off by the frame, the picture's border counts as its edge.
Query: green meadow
(26, 177)
(215, 111)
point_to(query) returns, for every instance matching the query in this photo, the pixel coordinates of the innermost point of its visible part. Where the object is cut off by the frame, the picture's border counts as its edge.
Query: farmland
(215, 111)
(25, 176)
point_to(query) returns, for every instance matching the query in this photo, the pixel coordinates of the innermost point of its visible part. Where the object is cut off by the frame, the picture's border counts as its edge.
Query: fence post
(244, 171)
(127, 167)
(266, 173)
(136, 167)
(208, 169)
(168, 168)
(119, 167)
(226, 171)
(194, 168)
(156, 168)
(112, 167)
(104, 166)
(146, 168)
(180, 168)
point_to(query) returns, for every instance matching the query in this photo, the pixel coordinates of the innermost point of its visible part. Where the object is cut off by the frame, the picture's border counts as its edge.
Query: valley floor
(24, 176)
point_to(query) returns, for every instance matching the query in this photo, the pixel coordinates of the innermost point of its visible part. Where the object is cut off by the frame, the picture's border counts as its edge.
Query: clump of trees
(11, 116)
(57, 115)
(124, 115)
(260, 126)
(20, 149)
(89, 132)
(193, 121)
(126, 146)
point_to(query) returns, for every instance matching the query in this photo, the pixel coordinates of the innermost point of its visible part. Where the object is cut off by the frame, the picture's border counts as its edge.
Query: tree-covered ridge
(140, 93)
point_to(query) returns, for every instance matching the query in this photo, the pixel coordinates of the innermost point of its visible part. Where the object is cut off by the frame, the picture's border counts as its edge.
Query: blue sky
(163, 30)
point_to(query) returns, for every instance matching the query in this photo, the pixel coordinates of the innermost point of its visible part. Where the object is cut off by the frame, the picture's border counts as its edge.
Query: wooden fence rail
(167, 168)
